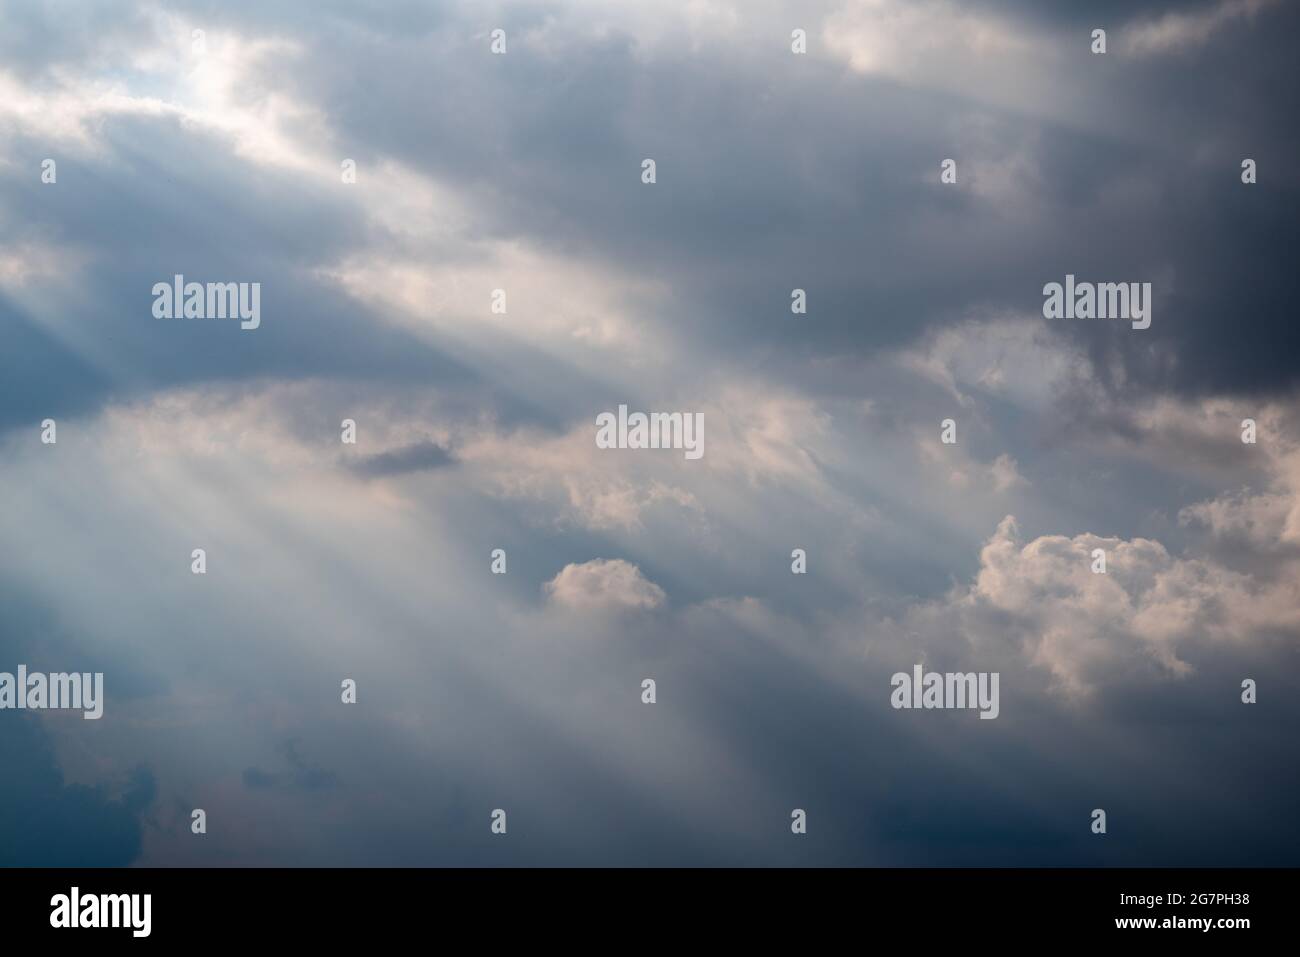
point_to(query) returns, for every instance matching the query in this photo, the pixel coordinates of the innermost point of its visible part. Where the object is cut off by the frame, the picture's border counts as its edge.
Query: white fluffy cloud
(1149, 612)
(603, 584)
(1081, 625)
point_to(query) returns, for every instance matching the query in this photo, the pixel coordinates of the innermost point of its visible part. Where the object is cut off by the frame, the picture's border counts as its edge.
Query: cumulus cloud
(1086, 629)
(603, 584)
(1082, 626)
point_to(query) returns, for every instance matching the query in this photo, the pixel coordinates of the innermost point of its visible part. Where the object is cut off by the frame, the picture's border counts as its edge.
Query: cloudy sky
(222, 161)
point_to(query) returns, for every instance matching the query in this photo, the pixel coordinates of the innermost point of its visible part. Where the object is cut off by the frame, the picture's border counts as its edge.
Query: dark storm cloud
(183, 206)
(417, 457)
(46, 821)
(772, 176)
(298, 774)
(40, 376)
(1102, 13)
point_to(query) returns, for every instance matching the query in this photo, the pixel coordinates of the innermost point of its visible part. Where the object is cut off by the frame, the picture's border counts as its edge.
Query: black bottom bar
(655, 907)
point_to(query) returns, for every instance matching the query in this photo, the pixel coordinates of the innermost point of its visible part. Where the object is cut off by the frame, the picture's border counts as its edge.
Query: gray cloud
(417, 457)
(521, 172)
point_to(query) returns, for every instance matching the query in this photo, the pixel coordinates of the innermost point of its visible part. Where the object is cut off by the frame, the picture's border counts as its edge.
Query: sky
(223, 156)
